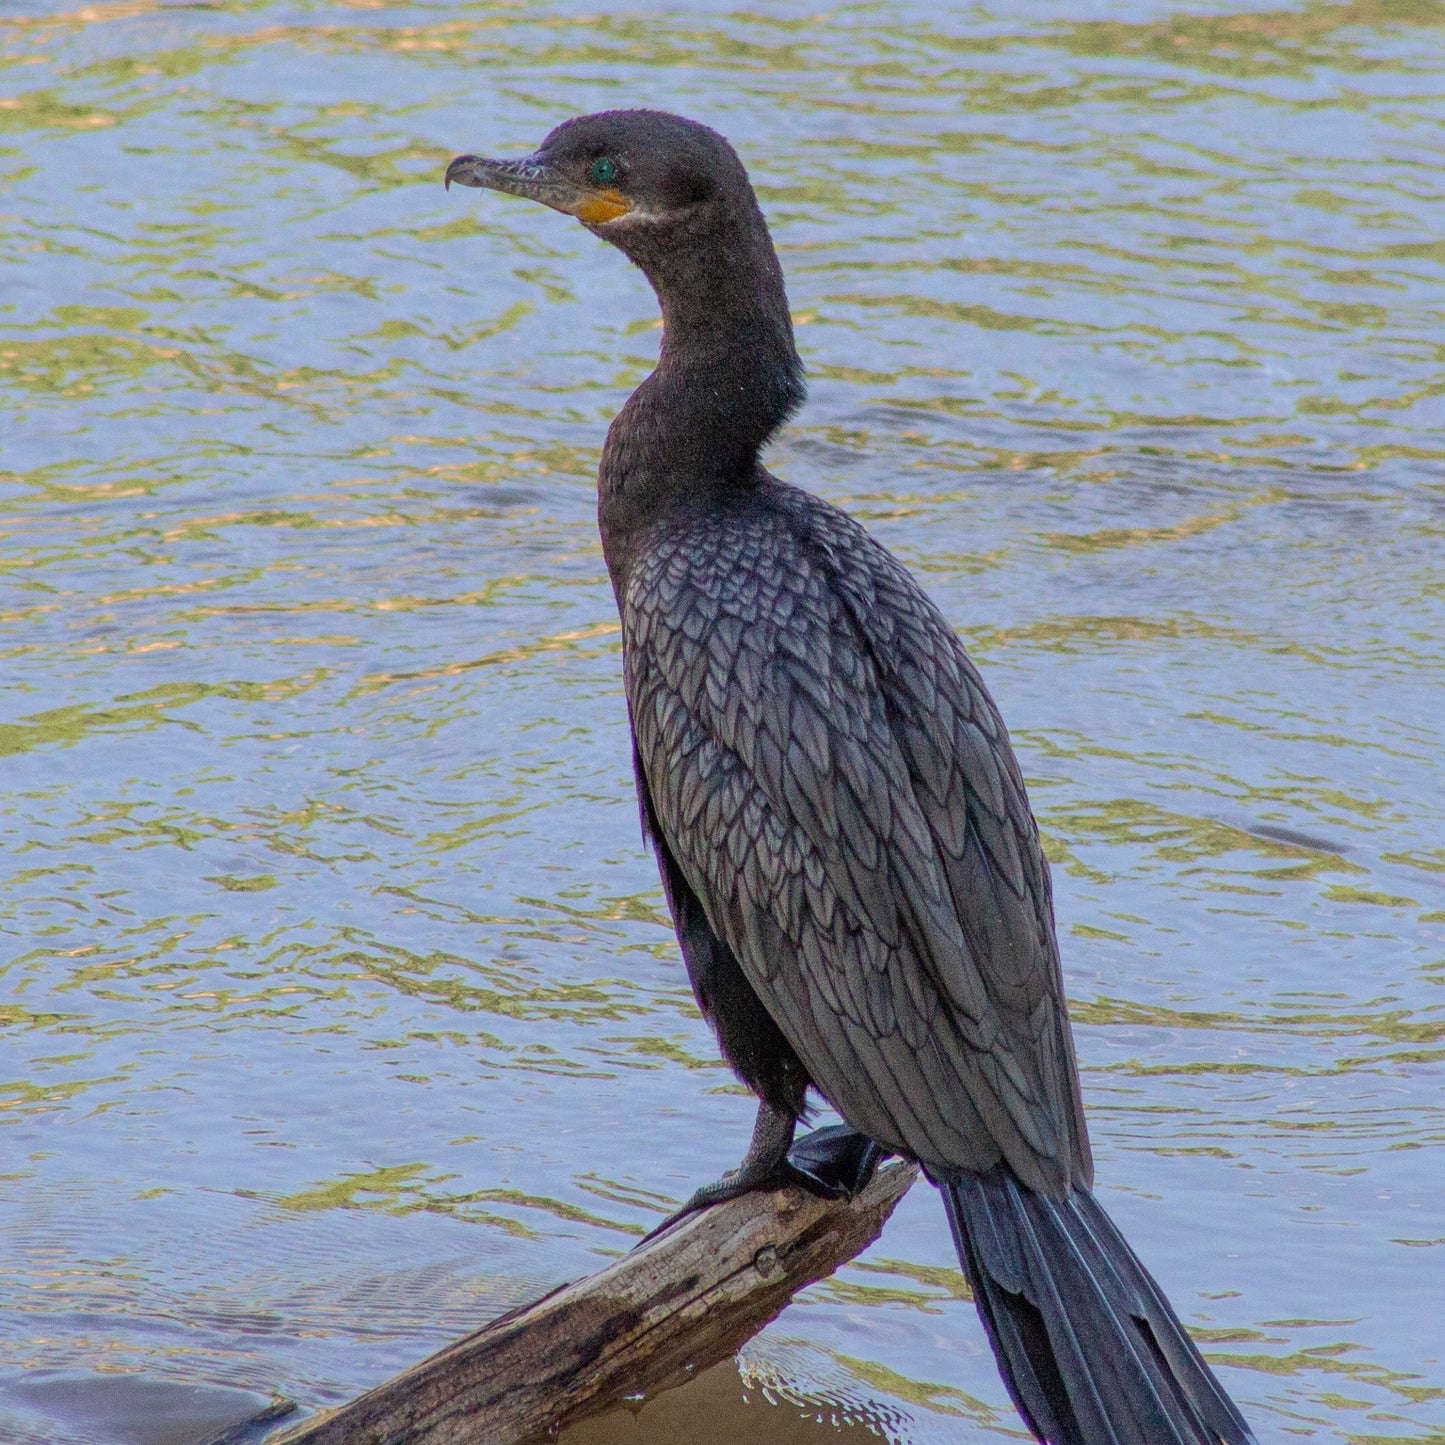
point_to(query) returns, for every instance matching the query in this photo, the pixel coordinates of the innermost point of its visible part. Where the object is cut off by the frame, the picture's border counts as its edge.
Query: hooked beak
(537, 181)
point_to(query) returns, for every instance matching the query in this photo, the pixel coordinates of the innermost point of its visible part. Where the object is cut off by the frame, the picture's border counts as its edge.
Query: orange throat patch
(603, 206)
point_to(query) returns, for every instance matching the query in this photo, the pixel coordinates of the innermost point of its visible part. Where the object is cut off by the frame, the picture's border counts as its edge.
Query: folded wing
(839, 792)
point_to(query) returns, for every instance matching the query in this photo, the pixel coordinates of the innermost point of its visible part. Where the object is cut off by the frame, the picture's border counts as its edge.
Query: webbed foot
(834, 1162)
(764, 1166)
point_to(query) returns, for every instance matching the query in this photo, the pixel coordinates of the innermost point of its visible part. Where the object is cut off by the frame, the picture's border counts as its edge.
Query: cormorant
(840, 823)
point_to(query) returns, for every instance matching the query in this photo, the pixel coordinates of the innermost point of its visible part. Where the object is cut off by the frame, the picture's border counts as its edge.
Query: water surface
(339, 1008)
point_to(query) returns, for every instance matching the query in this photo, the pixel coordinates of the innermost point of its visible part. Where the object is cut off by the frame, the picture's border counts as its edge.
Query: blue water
(338, 1006)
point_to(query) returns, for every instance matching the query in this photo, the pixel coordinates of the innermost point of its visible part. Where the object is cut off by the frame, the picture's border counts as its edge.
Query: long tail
(1086, 1342)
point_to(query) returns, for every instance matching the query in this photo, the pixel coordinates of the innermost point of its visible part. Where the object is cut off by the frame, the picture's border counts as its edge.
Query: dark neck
(727, 378)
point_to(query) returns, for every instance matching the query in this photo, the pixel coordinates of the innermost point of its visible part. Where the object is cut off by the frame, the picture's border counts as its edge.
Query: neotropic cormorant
(840, 823)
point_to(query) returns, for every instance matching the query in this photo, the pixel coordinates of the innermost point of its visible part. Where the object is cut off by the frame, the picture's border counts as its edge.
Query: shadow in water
(720, 1408)
(78, 1407)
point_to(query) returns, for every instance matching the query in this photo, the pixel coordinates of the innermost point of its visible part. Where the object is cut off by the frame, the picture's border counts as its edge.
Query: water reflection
(339, 1009)
(713, 1408)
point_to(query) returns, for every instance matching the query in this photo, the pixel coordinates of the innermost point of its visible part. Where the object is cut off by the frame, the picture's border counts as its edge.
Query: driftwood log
(653, 1318)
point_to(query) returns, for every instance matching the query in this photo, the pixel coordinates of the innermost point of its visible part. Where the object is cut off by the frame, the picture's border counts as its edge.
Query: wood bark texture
(654, 1317)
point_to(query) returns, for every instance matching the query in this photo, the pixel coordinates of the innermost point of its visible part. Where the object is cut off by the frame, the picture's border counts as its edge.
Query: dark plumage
(840, 823)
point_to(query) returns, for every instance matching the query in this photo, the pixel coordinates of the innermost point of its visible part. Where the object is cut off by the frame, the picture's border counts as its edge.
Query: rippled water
(339, 1008)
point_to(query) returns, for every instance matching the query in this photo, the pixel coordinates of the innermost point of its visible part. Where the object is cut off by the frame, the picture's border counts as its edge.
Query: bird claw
(734, 1183)
(833, 1162)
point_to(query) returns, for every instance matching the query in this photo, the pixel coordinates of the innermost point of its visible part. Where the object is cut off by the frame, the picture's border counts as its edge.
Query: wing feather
(838, 790)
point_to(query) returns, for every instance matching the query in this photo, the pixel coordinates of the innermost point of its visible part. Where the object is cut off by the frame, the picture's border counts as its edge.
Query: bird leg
(764, 1166)
(834, 1162)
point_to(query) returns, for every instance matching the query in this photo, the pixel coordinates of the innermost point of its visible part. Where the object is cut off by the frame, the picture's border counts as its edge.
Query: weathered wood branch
(673, 1306)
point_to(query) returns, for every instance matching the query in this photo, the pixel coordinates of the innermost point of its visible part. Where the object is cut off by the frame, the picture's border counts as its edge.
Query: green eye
(604, 170)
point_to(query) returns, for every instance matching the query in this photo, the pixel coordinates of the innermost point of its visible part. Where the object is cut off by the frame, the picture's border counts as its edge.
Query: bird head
(630, 176)
(673, 197)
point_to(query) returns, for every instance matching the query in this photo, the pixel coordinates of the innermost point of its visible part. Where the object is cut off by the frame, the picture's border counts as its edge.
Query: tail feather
(1088, 1346)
